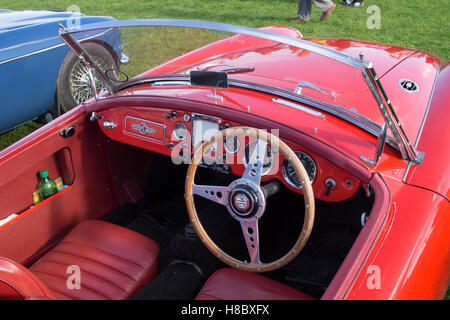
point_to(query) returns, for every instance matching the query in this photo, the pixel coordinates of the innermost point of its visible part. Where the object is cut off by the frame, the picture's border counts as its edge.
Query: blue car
(39, 76)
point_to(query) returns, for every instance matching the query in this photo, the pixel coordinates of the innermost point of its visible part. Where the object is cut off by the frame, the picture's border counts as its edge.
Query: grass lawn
(411, 23)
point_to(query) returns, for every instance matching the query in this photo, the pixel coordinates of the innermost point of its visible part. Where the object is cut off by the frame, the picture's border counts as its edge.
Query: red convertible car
(253, 164)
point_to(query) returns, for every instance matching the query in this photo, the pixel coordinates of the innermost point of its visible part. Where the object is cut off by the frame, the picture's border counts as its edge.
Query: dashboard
(177, 134)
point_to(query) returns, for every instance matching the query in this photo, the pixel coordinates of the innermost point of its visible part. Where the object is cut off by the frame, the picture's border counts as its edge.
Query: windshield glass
(242, 57)
(273, 58)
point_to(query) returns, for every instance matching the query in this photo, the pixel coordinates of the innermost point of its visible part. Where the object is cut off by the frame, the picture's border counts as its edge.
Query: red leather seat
(114, 263)
(232, 284)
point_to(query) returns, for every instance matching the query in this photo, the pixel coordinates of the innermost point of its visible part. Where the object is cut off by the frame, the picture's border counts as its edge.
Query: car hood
(10, 20)
(26, 32)
(279, 66)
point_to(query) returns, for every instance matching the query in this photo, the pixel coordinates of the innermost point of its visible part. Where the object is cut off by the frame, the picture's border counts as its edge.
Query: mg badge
(143, 129)
(242, 202)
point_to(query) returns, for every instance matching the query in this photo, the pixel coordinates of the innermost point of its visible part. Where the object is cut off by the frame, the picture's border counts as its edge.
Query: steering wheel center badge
(143, 129)
(242, 202)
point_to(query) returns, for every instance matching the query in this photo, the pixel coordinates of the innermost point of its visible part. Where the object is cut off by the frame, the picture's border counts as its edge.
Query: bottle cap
(43, 174)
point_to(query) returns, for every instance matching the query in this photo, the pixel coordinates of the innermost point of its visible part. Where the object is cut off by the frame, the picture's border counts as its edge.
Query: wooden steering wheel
(245, 199)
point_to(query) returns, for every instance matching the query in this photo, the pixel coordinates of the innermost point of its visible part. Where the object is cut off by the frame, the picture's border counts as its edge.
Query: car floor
(185, 263)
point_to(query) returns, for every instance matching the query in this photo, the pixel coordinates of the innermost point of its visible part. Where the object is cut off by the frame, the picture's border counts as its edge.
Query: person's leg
(324, 5)
(304, 10)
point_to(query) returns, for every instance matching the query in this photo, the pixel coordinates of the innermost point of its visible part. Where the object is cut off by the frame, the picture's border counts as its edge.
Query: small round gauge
(291, 176)
(180, 131)
(268, 157)
(232, 144)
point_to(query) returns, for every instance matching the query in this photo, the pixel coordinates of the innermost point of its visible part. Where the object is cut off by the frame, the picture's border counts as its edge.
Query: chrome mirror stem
(380, 147)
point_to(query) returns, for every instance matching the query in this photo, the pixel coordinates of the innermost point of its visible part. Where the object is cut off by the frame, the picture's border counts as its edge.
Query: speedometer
(290, 175)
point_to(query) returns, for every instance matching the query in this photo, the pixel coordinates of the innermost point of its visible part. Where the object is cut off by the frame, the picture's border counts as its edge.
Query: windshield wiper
(229, 69)
(309, 85)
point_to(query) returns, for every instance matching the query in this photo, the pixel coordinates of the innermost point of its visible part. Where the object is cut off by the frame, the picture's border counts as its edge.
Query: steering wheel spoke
(251, 236)
(213, 193)
(254, 167)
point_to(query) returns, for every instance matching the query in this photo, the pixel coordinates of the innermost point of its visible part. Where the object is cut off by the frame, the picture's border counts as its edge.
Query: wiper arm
(309, 85)
(229, 69)
(234, 70)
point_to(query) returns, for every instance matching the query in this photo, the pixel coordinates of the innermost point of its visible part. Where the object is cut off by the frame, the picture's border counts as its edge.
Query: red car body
(402, 252)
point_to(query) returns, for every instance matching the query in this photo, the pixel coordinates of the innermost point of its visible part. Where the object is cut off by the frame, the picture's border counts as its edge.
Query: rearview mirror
(209, 78)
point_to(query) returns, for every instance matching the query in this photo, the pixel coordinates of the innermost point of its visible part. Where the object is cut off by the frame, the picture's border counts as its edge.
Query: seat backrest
(17, 282)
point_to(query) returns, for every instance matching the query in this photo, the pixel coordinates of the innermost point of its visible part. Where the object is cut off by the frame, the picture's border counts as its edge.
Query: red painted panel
(433, 173)
(89, 196)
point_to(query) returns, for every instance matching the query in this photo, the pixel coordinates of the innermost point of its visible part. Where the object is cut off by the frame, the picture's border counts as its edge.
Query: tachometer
(290, 175)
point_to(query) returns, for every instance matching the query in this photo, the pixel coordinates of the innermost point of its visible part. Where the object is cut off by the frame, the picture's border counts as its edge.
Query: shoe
(297, 21)
(357, 3)
(347, 2)
(328, 13)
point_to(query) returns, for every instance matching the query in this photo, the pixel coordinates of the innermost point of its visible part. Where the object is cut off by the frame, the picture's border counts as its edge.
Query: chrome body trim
(299, 107)
(48, 49)
(31, 54)
(124, 59)
(379, 150)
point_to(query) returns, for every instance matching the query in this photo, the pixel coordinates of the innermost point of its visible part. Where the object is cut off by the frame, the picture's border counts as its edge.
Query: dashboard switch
(330, 184)
(171, 115)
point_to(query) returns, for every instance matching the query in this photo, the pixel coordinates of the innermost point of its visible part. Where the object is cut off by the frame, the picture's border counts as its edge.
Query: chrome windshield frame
(407, 150)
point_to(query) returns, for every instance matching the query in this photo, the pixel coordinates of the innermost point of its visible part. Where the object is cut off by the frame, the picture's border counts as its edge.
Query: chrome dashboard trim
(299, 107)
(142, 135)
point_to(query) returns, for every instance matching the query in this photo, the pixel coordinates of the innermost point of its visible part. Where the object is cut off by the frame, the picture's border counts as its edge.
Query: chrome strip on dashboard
(299, 107)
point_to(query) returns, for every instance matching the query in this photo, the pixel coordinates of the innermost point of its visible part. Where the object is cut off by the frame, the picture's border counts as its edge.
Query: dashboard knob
(109, 125)
(330, 184)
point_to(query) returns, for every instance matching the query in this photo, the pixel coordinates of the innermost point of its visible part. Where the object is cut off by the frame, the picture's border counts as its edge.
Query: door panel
(79, 160)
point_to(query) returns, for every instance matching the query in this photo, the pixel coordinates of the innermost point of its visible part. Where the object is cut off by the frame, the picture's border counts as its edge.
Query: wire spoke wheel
(80, 84)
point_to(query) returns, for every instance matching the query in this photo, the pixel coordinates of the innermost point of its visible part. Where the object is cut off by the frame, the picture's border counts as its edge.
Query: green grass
(416, 24)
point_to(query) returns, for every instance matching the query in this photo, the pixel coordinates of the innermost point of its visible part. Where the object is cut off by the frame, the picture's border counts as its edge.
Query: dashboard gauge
(268, 159)
(290, 175)
(180, 131)
(232, 144)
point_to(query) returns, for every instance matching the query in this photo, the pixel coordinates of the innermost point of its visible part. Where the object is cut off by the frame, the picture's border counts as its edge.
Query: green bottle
(46, 186)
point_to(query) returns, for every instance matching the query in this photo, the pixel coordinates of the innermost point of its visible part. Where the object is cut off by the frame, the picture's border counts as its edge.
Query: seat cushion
(18, 283)
(232, 284)
(113, 263)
